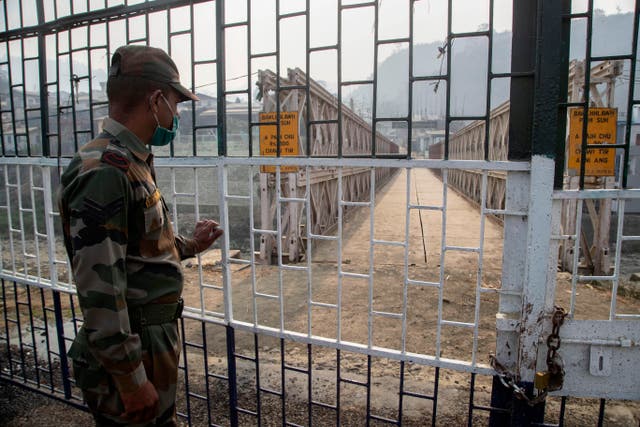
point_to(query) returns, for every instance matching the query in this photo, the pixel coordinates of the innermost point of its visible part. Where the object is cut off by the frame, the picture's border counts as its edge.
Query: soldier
(124, 254)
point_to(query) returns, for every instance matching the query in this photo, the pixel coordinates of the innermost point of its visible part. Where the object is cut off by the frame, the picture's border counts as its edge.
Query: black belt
(154, 314)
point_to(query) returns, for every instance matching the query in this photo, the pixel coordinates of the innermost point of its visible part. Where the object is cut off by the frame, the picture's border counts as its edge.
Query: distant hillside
(612, 35)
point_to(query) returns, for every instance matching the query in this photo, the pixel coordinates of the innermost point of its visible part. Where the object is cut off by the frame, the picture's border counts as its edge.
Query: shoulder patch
(115, 159)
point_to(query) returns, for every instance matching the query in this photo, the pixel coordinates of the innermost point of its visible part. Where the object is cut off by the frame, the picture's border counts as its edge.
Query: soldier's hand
(142, 405)
(205, 233)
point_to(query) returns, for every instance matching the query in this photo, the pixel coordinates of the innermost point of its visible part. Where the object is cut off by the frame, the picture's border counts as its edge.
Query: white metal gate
(356, 268)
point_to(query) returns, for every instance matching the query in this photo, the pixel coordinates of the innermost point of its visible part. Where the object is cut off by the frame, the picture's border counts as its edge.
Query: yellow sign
(288, 139)
(601, 129)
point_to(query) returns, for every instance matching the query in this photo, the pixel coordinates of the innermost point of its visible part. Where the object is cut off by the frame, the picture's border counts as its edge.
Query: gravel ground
(23, 408)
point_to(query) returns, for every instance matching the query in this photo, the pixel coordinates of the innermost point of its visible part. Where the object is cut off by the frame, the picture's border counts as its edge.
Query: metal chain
(509, 381)
(554, 364)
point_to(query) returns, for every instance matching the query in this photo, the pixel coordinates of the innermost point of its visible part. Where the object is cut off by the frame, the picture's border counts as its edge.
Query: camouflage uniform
(125, 259)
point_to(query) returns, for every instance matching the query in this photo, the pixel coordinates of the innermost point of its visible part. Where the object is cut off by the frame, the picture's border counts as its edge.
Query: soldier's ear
(154, 98)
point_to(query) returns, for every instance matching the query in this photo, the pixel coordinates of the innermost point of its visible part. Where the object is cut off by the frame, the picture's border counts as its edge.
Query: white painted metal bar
(21, 231)
(322, 237)
(229, 197)
(197, 218)
(386, 314)
(279, 245)
(576, 257)
(322, 304)
(618, 256)
(630, 238)
(584, 278)
(354, 275)
(224, 224)
(339, 259)
(504, 292)
(425, 208)
(9, 220)
(611, 343)
(190, 312)
(252, 245)
(371, 204)
(293, 199)
(504, 212)
(34, 218)
(422, 359)
(36, 161)
(355, 204)
(443, 245)
(388, 243)
(261, 231)
(567, 237)
(405, 266)
(186, 195)
(461, 249)
(627, 316)
(30, 280)
(422, 283)
(476, 314)
(267, 296)
(287, 267)
(174, 200)
(458, 324)
(600, 193)
(205, 161)
(309, 257)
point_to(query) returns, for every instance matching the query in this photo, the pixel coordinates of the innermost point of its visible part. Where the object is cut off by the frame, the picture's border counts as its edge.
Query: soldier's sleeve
(187, 247)
(98, 209)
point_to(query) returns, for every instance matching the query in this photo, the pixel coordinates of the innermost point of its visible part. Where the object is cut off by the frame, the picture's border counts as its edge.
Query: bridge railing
(469, 143)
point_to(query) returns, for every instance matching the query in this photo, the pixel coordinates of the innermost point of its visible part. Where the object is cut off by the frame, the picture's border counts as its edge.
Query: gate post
(538, 66)
(62, 347)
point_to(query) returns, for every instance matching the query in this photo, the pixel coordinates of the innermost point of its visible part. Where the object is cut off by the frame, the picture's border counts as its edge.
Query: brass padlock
(541, 381)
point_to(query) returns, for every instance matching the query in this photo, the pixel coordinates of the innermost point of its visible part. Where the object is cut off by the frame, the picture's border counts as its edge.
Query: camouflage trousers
(160, 355)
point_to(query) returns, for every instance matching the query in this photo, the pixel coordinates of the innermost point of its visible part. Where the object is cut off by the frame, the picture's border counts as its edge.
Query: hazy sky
(430, 24)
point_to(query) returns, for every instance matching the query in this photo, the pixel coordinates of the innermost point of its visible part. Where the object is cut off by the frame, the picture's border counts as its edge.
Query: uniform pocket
(153, 220)
(158, 234)
(88, 373)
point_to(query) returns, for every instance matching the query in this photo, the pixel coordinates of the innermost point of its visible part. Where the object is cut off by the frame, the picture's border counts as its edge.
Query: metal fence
(389, 316)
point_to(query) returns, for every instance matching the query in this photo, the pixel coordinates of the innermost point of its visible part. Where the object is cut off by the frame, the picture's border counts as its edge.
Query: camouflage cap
(149, 63)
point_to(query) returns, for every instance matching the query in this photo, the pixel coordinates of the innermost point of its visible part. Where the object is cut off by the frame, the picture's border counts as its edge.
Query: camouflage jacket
(121, 245)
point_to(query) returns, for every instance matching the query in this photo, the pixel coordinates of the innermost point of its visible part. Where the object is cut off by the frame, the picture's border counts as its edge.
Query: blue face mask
(163, 136)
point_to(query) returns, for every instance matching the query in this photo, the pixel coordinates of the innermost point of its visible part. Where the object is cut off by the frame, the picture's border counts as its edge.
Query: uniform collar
(127, 138)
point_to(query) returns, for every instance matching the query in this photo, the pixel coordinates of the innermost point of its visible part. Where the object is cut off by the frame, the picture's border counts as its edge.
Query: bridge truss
(471, 141)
